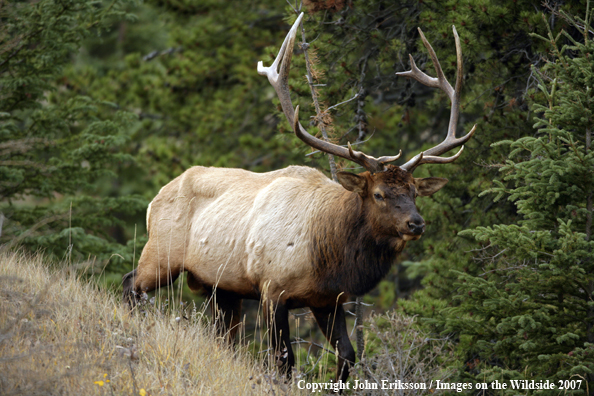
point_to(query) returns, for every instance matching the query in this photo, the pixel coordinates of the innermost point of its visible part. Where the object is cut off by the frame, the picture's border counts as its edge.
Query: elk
(292, 237)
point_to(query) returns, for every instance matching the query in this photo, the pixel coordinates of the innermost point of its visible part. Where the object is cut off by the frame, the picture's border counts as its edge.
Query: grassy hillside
(62, 335)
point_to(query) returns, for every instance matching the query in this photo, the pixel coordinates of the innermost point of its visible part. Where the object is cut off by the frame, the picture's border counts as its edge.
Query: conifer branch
(32, 229)
(314, 96)
(341, 103)
(589, 198)
(361, 103)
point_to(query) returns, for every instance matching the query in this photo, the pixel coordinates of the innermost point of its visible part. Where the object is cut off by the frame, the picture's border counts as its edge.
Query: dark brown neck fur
(345, 253)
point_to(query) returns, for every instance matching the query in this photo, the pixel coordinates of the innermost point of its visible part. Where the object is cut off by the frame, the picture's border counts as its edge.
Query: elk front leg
(332, 322)
(277, 315)
(129, 295)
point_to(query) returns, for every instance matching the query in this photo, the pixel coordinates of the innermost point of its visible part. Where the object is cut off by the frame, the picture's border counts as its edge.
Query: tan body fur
(291, 237)
(237, 230)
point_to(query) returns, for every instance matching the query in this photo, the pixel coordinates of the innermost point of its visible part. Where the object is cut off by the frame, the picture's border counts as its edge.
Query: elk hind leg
(277, 315)
(226, 313)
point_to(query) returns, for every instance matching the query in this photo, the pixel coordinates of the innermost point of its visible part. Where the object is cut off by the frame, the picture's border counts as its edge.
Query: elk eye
(378, 197)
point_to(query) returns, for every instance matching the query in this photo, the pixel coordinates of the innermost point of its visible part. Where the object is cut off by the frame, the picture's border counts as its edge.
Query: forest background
(104, 102)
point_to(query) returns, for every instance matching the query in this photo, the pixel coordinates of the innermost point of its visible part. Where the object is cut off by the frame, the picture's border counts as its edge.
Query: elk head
(389, 199)
(388, 192)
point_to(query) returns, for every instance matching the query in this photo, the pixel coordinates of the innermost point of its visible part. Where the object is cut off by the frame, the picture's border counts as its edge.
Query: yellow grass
(62, 335)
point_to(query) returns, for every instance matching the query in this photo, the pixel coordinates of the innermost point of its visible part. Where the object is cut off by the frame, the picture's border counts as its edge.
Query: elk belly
(276, 246)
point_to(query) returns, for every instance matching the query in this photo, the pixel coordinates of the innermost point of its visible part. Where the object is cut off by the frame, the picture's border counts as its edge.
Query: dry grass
(61, 335)
(396, 350)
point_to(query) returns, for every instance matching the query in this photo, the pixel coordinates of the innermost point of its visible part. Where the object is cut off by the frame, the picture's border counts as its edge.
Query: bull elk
(292, 237)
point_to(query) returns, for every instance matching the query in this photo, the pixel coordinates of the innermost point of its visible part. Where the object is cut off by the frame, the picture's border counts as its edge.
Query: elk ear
(429, 185)
(352, 182)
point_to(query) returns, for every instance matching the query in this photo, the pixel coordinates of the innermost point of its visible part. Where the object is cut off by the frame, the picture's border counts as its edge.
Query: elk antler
(431, 156)
(279, 80)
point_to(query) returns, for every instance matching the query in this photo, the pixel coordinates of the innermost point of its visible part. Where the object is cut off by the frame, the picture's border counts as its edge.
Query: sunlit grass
(62, 335)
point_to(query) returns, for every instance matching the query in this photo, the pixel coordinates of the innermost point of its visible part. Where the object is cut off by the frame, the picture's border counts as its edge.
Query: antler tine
(279, 80)
(362, 157)
(370, 163)
(414, 72)
(431, 156)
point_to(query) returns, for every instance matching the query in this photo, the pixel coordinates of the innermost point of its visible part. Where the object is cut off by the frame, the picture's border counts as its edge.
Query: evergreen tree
(363, 45)
(194, 86)
(188, 70)
(54, 152)
(498, 50)
(529, 313)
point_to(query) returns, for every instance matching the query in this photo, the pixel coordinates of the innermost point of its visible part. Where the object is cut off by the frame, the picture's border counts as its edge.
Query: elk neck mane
(346, 254)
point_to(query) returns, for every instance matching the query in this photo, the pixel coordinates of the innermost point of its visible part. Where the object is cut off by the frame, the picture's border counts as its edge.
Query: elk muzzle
(416, 225)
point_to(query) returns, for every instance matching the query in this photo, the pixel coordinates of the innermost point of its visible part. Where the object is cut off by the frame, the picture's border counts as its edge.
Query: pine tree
(54, 152)
(363, 45)
(195, 87)
(498, 50)
(529, 314)
(188, 70)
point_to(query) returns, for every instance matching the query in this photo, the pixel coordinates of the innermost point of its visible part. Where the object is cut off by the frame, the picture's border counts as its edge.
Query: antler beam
(279, 80)
(431, 156)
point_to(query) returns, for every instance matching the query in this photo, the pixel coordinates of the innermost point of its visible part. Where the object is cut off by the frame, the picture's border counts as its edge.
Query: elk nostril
(416, 228)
